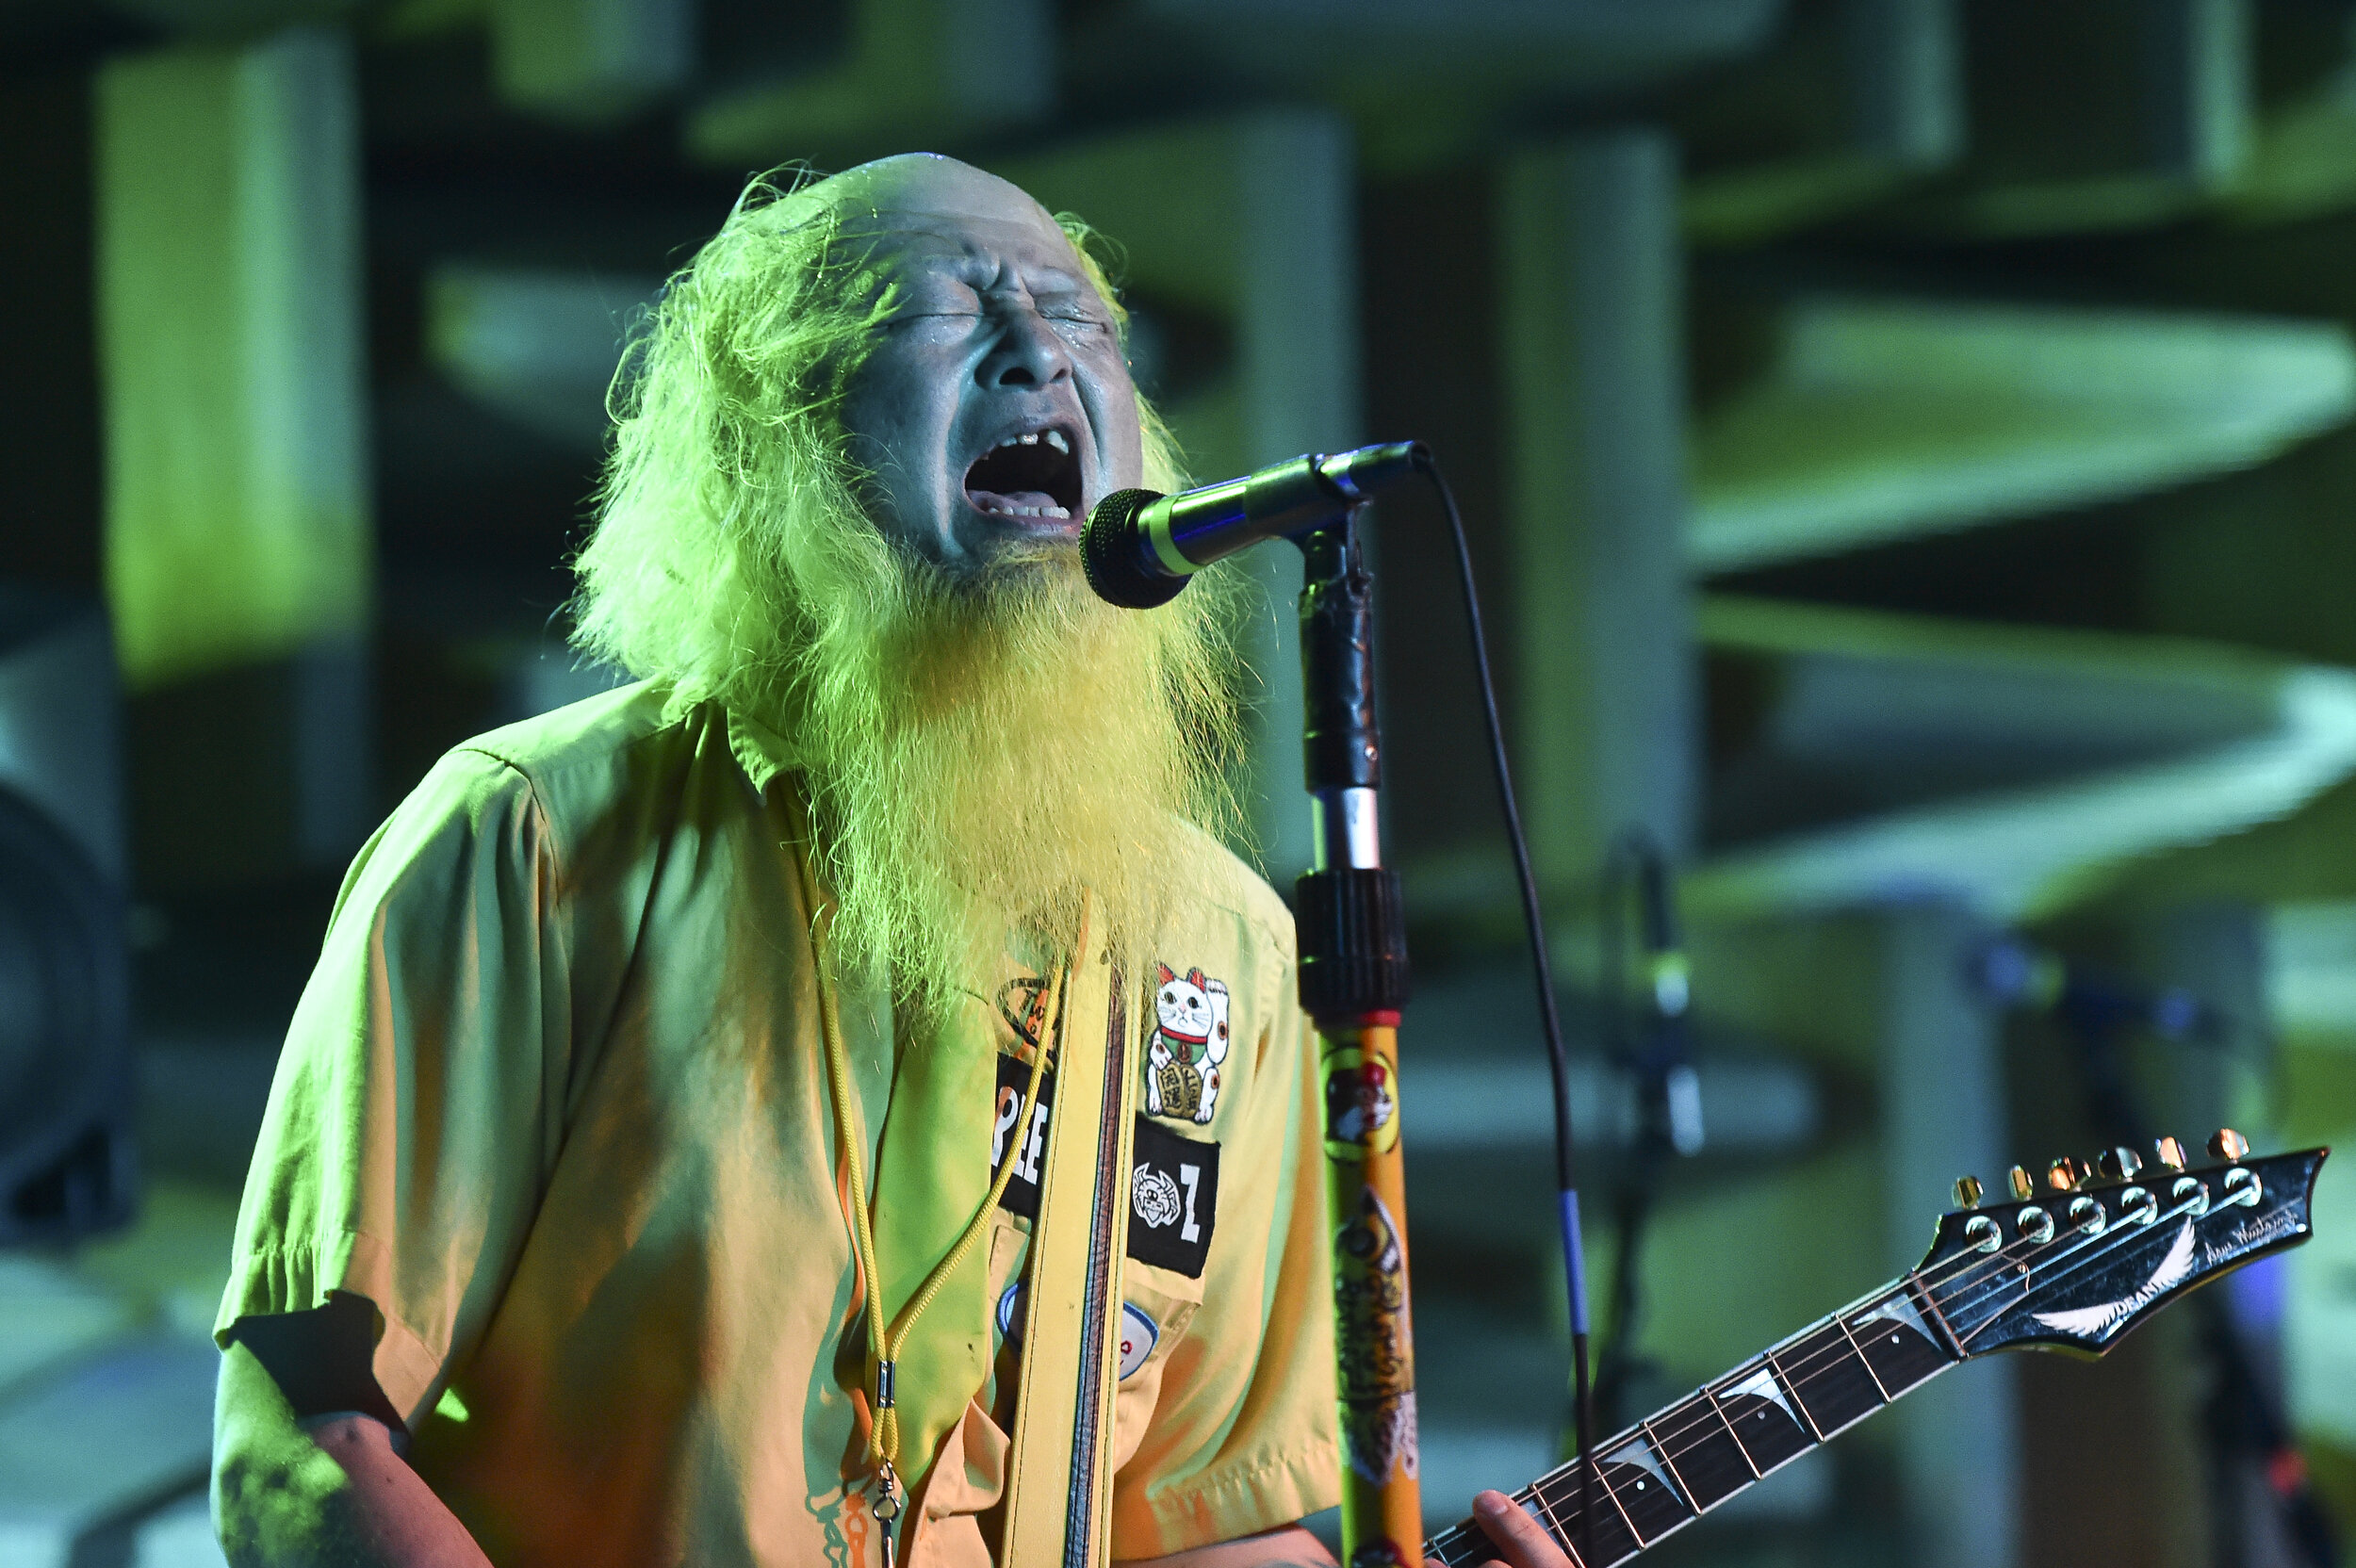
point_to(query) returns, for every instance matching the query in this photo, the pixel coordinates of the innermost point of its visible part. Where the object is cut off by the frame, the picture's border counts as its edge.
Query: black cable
(1551, 1021)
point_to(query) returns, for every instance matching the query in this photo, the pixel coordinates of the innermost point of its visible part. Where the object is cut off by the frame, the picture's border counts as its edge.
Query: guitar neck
(1668, 1470)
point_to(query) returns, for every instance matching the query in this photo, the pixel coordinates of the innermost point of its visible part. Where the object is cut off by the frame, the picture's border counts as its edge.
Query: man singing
(549, 1252)
(546, 1256)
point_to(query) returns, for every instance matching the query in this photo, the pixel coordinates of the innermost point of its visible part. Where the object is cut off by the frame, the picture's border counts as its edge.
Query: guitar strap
(1058, 1498)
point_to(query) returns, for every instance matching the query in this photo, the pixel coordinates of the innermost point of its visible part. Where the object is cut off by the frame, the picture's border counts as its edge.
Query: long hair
(728, 476)
(1005, 739)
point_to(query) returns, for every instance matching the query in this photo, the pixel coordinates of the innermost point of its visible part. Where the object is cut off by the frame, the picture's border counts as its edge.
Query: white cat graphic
(1182, 1062)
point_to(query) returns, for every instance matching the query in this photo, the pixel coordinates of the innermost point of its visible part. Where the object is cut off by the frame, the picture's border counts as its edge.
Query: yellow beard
(981, 750)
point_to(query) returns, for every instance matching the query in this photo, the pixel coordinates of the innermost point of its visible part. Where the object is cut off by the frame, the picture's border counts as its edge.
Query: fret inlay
(1641, 1483)
(1700, 1446)
(1832, 1383)
(1763, 1419)
(1901, 1344)
(1697, 1453)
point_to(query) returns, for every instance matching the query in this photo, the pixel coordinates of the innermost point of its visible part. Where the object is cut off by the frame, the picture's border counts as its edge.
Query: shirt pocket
(1161, 1303)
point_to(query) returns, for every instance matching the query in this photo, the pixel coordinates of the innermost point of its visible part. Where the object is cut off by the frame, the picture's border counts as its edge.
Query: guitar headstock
(2074, 1260)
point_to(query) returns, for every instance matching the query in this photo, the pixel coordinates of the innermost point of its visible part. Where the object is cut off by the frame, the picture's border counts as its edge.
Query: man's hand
(296, 1485)
(1517, 1537)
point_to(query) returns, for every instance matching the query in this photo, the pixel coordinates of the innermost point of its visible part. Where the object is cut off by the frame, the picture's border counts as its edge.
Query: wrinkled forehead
(984, 251)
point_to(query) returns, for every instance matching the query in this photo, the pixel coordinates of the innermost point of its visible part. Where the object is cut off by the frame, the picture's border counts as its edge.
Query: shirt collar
(761, 752)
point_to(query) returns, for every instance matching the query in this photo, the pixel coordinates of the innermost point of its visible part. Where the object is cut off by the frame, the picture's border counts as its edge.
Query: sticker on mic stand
(1361, 1102)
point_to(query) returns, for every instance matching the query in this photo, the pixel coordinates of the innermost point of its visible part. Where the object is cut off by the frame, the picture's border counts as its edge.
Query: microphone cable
(1549, 1015)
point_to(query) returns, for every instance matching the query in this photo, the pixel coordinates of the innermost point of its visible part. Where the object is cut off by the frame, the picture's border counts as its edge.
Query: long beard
(981, 750)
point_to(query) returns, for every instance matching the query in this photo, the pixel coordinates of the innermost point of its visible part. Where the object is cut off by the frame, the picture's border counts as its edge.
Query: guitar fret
(1858, 1351)
(1928, 1300)
(2087, 1287)
(1720, 1412)
(1653, 1506)
(1552, 1524)
(1704, 1451)
(1668, 1459)
(1612, 1534)
(1763, 1416)
(1836, 1388)
(1899, 1344)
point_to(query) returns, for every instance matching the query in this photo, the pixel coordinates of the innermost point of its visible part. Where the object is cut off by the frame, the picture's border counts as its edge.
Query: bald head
(993, 408)
(928, 184)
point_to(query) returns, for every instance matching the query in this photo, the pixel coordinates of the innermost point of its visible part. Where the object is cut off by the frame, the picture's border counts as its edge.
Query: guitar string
(2097, 1242)
(2187, 1207)
(1796, 1374)
(1998, 1263)
(1660, 1442)
(1813, 1368)
(1799, 1375)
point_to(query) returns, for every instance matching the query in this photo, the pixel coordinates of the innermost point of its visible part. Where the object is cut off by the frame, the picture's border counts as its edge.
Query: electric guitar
(2072, 1269)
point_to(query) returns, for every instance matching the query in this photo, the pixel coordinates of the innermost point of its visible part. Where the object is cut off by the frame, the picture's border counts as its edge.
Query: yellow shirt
(555, 1101)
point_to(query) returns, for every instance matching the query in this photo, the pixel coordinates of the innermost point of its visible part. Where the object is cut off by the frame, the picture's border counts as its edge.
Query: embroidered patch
(1138, 1333)
(1189, 1044)
(1174, 1181)
(1030, 1144)
(1173, 1200)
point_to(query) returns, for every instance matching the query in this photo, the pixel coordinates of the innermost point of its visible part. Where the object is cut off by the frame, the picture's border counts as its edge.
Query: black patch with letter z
(1174, 1181)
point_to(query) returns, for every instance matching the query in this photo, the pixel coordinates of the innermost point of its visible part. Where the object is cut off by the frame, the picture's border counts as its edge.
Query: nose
(1028, 353)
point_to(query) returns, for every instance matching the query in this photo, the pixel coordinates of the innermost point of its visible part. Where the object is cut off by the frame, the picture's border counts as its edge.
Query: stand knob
(2226, 1144)
(2171, 1153)
(2022, 1189)
(1967, 1192)
(2118, 1165)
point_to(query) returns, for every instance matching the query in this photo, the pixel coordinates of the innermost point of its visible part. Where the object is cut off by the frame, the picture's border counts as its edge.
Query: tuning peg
(2065, 1173)
(2118, 1165)
(2022, 1189)
(1967, 1192)
(2171, 1153)
(2226, 1144)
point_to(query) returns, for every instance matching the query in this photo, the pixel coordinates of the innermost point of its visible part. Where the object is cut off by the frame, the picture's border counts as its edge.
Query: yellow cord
(883, 1440)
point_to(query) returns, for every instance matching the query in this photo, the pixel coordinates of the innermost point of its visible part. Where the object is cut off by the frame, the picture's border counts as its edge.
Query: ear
(1167, 974)
(1194, 978)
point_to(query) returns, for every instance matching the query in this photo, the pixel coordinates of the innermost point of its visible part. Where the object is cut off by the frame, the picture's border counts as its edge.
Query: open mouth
(1031, 474)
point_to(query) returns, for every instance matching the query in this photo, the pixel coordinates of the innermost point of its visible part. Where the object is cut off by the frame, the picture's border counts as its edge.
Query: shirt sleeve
(411, 1117)
(1241, 1438)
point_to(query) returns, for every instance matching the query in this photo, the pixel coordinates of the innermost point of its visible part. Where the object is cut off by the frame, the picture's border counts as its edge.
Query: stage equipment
(67, 1165)
(2069, 1271)
(2097, 1012)
(1139, 551)
(1141, 547)
(1654, 1052)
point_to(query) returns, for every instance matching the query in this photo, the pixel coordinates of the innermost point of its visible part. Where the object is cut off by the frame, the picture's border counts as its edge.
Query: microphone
(1140, 546)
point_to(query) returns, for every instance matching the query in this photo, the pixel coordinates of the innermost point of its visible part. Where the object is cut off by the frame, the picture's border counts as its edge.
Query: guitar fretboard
(1666, 1471)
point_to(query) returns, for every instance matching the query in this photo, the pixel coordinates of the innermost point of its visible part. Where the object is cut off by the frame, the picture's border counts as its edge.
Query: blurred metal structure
(589, 61)
(238, 534)
(1944, 1114)
(1592, 351)
(67, 1165)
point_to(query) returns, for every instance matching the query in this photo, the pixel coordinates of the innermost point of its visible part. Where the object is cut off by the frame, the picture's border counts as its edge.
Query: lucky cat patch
(1190, 1039)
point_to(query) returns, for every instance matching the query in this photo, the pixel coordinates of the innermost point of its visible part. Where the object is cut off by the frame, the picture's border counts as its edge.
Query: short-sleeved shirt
(555, 1102)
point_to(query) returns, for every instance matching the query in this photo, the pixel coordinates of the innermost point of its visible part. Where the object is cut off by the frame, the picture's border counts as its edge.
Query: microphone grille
(1115, 556)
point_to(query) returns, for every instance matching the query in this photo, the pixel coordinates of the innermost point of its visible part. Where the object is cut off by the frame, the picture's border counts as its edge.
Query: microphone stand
(1138, 550)
(1353, 982)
